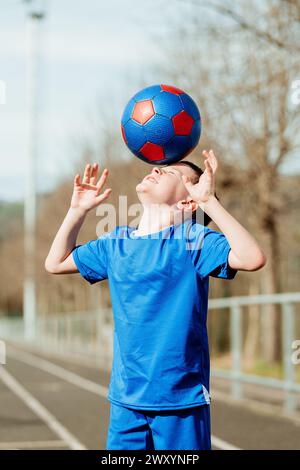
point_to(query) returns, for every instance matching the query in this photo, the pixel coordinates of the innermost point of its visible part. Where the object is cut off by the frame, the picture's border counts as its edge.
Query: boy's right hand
(87, 194)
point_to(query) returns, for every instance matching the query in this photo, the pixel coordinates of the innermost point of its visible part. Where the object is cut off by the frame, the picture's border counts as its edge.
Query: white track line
(222, 445)
(58, 371)
(84, 384)
(40, 410)
(32, 445)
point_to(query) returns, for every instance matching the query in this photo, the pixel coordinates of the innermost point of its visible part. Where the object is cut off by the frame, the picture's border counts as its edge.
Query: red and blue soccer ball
(161, 124)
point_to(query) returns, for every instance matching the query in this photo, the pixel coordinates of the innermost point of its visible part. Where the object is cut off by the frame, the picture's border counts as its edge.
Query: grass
(261, 368)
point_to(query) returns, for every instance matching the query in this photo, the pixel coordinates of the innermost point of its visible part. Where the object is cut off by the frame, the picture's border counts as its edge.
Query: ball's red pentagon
(161, 124)
(172, 89)
(143, 111)
(123, 134)
(152, 151)
(183, 123)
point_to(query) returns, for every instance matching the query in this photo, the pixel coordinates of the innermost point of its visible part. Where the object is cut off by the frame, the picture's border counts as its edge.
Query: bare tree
(286, 32)
(242, 83)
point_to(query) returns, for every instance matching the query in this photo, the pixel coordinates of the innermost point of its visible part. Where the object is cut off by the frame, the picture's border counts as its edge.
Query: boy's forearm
(65, 239)
(240, 240)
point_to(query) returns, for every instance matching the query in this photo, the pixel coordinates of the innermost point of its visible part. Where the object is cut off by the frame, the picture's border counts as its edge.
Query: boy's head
(164, 188)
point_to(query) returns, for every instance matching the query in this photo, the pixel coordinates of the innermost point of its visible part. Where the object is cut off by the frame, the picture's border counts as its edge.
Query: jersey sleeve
(209, 251)
(91, 259)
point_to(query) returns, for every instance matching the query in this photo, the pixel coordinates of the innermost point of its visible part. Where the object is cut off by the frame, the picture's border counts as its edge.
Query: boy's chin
(146, 196)
(142, 192)
(140, 187)
(143, 188)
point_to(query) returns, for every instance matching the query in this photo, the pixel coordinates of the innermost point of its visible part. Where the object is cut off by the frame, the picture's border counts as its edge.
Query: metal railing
(86, 334)
(235, 374)
(90, 334)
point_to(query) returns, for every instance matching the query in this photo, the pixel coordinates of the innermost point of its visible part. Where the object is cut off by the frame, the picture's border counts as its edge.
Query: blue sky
(93, 52)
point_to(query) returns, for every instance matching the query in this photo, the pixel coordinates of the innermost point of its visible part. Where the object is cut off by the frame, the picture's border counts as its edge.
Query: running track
(51, 403)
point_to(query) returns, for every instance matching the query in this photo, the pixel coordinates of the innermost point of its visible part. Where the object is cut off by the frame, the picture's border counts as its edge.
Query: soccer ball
(161, 124)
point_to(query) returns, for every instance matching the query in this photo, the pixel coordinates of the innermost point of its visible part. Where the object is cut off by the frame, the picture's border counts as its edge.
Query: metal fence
(86, 334)
(90, 334)
(288, 385)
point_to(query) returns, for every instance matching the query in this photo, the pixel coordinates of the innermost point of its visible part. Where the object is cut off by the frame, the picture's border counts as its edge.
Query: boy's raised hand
(87, 194)
(205, 188)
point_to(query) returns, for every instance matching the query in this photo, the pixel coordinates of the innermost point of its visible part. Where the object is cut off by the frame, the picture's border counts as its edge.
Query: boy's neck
(152, 222)
(155, 223)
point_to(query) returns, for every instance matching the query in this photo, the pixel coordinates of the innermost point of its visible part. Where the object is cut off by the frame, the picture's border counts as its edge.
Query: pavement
(50, 402)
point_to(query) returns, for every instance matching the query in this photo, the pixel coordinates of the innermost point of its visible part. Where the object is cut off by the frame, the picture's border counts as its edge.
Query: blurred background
(67, 71)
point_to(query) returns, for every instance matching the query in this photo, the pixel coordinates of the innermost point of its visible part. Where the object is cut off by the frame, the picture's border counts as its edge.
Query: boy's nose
(156, 170)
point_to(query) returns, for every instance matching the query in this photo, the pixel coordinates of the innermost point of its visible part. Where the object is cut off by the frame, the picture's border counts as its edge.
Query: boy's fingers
(187, 182)
(207, 165)
(211, 155)
(102, 179)
(89, 186)
(213, 158)
(94, 174)
(77, 180)
(104, 195)
(208, 168)
(87, 174)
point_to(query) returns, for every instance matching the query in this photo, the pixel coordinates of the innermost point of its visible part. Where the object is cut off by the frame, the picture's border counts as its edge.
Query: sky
(93, 56)
(92, 53)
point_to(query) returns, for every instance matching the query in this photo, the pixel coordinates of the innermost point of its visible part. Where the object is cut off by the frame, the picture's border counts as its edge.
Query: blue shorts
(185, 429)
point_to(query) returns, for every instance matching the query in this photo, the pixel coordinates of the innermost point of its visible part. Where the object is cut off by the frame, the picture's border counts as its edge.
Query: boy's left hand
(202, 191)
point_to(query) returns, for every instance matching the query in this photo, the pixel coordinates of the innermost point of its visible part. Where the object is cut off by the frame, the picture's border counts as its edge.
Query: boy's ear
(187, 204)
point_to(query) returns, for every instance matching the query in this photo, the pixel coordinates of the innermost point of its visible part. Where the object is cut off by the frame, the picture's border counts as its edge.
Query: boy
(159, 388)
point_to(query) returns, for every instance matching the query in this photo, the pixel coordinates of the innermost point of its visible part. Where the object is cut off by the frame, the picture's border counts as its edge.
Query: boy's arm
(86, 196)
(245, 253)
(59, 259)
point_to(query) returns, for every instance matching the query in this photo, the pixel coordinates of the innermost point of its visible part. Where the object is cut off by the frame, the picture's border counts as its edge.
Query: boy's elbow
(50, 267)
(260, 261)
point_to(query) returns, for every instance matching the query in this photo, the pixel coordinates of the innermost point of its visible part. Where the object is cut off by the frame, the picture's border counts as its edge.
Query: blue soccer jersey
(159, 293)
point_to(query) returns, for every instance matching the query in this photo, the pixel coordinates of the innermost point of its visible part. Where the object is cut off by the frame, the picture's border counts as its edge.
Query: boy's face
(163, 185)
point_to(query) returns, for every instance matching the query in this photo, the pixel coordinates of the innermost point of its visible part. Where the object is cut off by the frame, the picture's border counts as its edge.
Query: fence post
(288, 323)
(68, 332)
(56, 331)
(236, 343)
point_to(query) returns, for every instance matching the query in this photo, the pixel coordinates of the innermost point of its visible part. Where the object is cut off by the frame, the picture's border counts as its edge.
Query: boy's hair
(197, 214)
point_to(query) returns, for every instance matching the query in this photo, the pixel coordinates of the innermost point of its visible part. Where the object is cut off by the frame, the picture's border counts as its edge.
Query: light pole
(35, 15)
